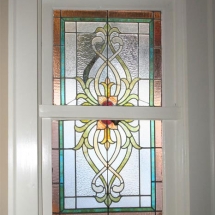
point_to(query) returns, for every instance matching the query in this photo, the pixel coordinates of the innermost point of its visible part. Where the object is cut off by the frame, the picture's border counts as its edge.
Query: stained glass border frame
(151, 103)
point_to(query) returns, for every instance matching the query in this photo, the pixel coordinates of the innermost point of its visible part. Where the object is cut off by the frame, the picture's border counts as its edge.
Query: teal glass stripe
(152, 122)
(62, 74)
(151, 50)
(153, 195)
(103, 210)
(151, 34)
(151, 63)
(153, 164)
(129, 20)
(61, 131)
(61, 152)
(61, 160)
(151, 90)
(62, 32)
(62, 63)
(78, 19)
(61, 197)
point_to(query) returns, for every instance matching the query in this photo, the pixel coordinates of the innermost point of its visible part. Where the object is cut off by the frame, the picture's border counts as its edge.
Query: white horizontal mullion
(113, 112)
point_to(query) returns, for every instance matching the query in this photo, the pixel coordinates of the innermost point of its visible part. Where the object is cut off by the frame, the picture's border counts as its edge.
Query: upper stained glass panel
(107, 58)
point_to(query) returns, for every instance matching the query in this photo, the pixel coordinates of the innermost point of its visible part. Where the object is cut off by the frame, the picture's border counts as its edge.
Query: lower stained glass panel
(107, 166)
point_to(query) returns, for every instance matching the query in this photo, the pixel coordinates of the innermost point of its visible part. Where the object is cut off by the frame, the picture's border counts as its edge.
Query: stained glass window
(107, 58)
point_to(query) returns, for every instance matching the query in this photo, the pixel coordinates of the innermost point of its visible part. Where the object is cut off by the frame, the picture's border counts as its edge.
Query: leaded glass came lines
(107, 58)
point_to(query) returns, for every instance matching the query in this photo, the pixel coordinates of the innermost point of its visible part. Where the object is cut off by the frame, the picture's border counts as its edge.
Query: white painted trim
(23, 153)
(211, 66)
(11, 109)
(102, 112)
(181, 147)
(47, 166)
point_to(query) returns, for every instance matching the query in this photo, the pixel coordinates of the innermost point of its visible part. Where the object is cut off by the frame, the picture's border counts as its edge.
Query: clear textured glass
(101, 159)
(107, 166)
(107, 57)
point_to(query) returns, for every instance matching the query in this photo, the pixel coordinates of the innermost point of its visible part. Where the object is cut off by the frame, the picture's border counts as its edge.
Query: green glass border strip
(153, 176)
(151, 93)
(129, 20)
(61, 152)
(61, 165)
(76, 19)
(62, 63)
(153, 195)
(102, 210)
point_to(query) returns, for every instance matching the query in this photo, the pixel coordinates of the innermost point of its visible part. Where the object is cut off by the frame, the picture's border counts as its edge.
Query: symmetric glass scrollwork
(107, 132)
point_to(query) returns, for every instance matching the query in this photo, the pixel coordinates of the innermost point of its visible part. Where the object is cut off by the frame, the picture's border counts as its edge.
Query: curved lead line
(118, 145)
(116, 188)
(106, 166)
(119, 188)
(97, 151)
(117, 78)
(114, 40)
(97, 78)
(128, 75)
(100, 188)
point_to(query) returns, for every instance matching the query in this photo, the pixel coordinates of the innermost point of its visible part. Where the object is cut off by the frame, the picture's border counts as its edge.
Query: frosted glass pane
(90, 27)
(143, 93)
(85, 52)
(69, 138)
(70, 26)
(89, 203)
(69, 203)
(145, 201)
(70, 91)
(127, 202)
(145, 171)
(145, 136)
(69, 173)
(144, 28)
(144, 56)
(125, 27)
(84, 176)
(70, 53)
(131, 180)
(129, 53)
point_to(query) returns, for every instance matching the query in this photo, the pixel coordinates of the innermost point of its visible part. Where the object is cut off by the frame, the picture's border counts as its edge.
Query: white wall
(3, 107)
(199, 107)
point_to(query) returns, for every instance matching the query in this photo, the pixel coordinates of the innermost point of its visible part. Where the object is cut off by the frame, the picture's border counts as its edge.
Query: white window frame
(24, 63)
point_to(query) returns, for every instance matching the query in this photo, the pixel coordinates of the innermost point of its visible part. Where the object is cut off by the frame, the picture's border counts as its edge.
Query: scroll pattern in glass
(107, 58)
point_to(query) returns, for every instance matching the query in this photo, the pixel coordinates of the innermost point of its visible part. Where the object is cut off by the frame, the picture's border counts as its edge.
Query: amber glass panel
(158, 67)
(130, 14)
(56, 61)
(84, 14)
(157, 26)
(56, 33)
(56, 91)
(158, 132)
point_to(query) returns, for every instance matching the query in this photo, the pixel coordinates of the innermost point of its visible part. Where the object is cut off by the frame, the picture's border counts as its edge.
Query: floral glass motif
(107, 58)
